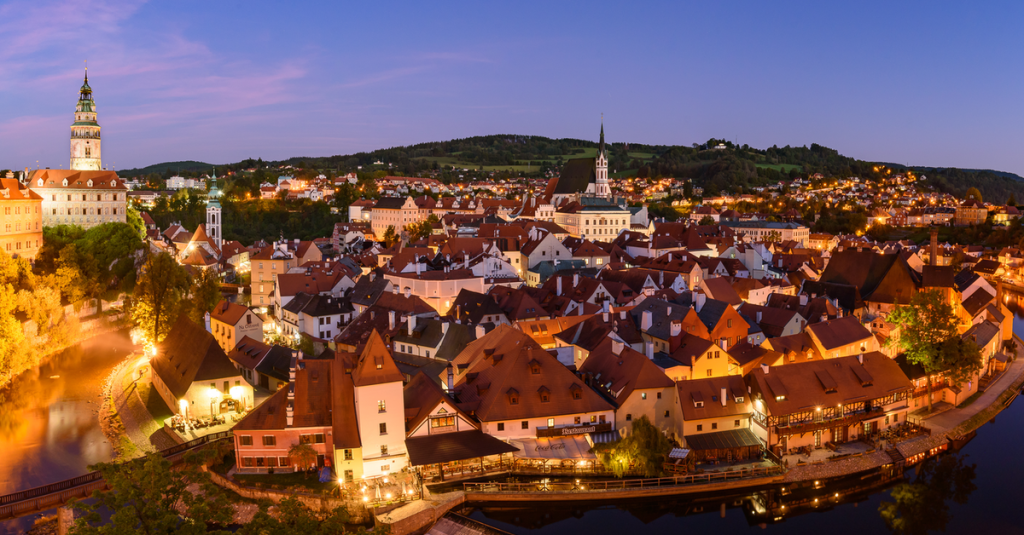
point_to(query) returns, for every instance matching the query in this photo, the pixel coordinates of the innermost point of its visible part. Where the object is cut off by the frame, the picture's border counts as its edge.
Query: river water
(49, 425)
(994, 506)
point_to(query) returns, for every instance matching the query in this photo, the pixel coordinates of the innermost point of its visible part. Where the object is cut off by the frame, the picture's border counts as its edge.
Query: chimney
(604, 316)
(649, 348)
(289, 412)
(622, 314)
(765, 368)
(394, 289)
(412, 324)
(444, 328)
(676, 328)
(575, 280)
(860, 358)
(391, 320)
(723, 397)
(723, 342)
(417, 267)
(669, 256)
(646, 320)
(668, 311)
(699, 303)
(480, 331)
(451, 379)
(408, 293)
(759, 316)
(558, 285)
(617, 347)
(803, 300)
(935, 247)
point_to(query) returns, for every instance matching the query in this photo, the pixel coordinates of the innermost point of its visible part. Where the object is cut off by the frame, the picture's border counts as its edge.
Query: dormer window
(513, 396)
(576, 391)
(739, 399)
(65, 182)
(545, 394)
(534, 367)
(698, 404)
(39, 182)
(89, 183)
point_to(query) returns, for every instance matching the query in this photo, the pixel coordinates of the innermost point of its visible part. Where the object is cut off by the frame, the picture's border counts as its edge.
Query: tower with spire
(213, 213)
(85, 132)
(602, 189)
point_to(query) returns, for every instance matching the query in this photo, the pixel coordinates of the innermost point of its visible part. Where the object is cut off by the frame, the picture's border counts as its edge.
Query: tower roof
(600, 149)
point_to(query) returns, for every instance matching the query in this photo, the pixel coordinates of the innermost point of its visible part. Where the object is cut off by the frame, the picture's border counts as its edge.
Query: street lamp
(213, 395)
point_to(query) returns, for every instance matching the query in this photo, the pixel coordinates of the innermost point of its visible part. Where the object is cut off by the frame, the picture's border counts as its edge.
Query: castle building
(213, 215)
(85, 195)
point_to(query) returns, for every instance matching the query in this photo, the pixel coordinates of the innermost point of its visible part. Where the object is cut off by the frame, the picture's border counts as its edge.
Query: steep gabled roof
(375, 364)
(190, 354)
(625, 371)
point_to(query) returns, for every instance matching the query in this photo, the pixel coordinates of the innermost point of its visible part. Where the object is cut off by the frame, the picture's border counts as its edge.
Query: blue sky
(924, 83)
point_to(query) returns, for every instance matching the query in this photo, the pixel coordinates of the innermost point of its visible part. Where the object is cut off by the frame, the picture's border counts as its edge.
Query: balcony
(844, 421)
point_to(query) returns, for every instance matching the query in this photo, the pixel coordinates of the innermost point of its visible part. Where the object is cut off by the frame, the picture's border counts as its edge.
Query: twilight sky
(924, 83)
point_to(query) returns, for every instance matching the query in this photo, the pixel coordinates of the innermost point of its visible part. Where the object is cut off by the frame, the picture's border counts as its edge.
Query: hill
(716, 165)
(173, 167)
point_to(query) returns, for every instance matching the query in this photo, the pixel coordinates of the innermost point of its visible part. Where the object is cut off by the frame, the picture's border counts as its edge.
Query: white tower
(602, 190)
(213, 220)
(85, 132)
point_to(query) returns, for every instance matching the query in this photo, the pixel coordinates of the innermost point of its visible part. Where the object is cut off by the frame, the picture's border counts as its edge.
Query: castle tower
(213, 220)
(602, 189)
(85, 132)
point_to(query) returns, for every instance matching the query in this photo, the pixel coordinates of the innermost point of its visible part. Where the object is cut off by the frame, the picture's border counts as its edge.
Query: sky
(919, 83)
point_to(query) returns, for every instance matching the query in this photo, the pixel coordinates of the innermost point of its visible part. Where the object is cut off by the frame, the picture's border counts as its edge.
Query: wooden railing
(55, 494)
(583, 485)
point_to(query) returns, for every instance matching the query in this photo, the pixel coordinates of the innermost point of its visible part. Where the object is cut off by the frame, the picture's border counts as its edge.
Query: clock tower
(85, 132)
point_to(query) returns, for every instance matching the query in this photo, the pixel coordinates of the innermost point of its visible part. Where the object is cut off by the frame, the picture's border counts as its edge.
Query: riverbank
(127, 418)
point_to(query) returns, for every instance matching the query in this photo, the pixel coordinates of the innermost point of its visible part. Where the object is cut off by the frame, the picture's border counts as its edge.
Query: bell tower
(213, 214)
(602, 189)
(85, 132)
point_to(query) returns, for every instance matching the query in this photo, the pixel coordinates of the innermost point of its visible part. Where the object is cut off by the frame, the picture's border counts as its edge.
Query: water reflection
(49, 429)
(922, 505)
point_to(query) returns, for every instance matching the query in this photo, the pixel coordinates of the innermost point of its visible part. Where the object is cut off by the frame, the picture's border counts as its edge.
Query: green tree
(146, 496)
(920, 507)
(706, 220)
(293, 516)
(925, 324)
(204, 294)
(302, 456)
(135, 221)
(390, 237)
(114, 247)
(55, 238)
(645, 449)
(158, 295)
(12, 338)
(1012, 201)
(972, 194)
(76, 275)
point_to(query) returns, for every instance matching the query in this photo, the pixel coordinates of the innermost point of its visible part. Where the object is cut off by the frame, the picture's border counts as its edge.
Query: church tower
(602, 189)
(213, 220)
(85, 132)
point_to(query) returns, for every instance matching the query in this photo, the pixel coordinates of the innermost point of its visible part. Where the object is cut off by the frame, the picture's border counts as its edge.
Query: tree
(1012, 201)
(205, 294)
(920, 507)
(925, 324)
(113, 246)
(645, 448)
(158, 295)
(706, 221)
(972, 194)
(135, 221)
(302, 456)
(146, 496)
(76, 275)
(423, 229)
(390, 237)
(293, 516)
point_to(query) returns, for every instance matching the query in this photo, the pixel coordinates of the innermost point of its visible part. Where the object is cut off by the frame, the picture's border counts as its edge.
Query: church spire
(601, 148)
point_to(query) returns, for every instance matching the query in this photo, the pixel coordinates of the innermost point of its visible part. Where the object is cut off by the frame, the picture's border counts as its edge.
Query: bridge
(46, 497)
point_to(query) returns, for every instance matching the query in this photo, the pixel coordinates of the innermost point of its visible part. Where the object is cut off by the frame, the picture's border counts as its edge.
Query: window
(383, 428)
(700, 427)
(269, 440)
(501, 426)
(576, 420)
(666, 414)
(709, 373)
(551, 422)
(643, 395)
(245, 440)
(593, 419)
(601, 418)
(442, 423)
(384, 449)
(283, 461)
(714, 425)
(659, 395)
(629, 417)
(382, 406)
(348, 455)
(247, 462)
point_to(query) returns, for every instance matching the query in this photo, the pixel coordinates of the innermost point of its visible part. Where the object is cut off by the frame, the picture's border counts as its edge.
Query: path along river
(49, 424)
(995, 506)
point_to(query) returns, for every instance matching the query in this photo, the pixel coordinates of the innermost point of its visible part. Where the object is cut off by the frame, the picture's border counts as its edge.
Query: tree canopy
(159, 296)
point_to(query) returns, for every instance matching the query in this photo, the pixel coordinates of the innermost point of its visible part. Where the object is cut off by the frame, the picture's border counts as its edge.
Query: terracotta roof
(802, 387)
(12, 190)
(248, 352)
(190, 354)
(54, 178)
(624, 372)
(375, 365)
(230, 313)
(839, 332)
(510, 375)
(700, 399)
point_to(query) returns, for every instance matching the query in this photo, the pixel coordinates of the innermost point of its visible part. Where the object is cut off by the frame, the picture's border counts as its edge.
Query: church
(85, 194)
(581, 177)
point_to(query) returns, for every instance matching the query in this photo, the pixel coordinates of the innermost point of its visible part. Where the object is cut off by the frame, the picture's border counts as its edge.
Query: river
(49, 425)
(993, 507)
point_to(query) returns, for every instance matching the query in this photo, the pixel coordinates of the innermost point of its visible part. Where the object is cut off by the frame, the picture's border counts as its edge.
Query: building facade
(21, 229)
(85, 132)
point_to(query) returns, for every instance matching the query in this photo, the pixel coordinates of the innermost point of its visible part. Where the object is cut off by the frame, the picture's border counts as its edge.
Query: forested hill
(716, 165)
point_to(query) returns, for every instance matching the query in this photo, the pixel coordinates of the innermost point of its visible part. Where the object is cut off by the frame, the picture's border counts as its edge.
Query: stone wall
(357, 511)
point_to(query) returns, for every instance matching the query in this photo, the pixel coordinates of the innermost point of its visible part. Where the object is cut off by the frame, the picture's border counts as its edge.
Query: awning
(721, 440)
(447, 447)
(603, 437)
(574, 447)
(678, 453)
